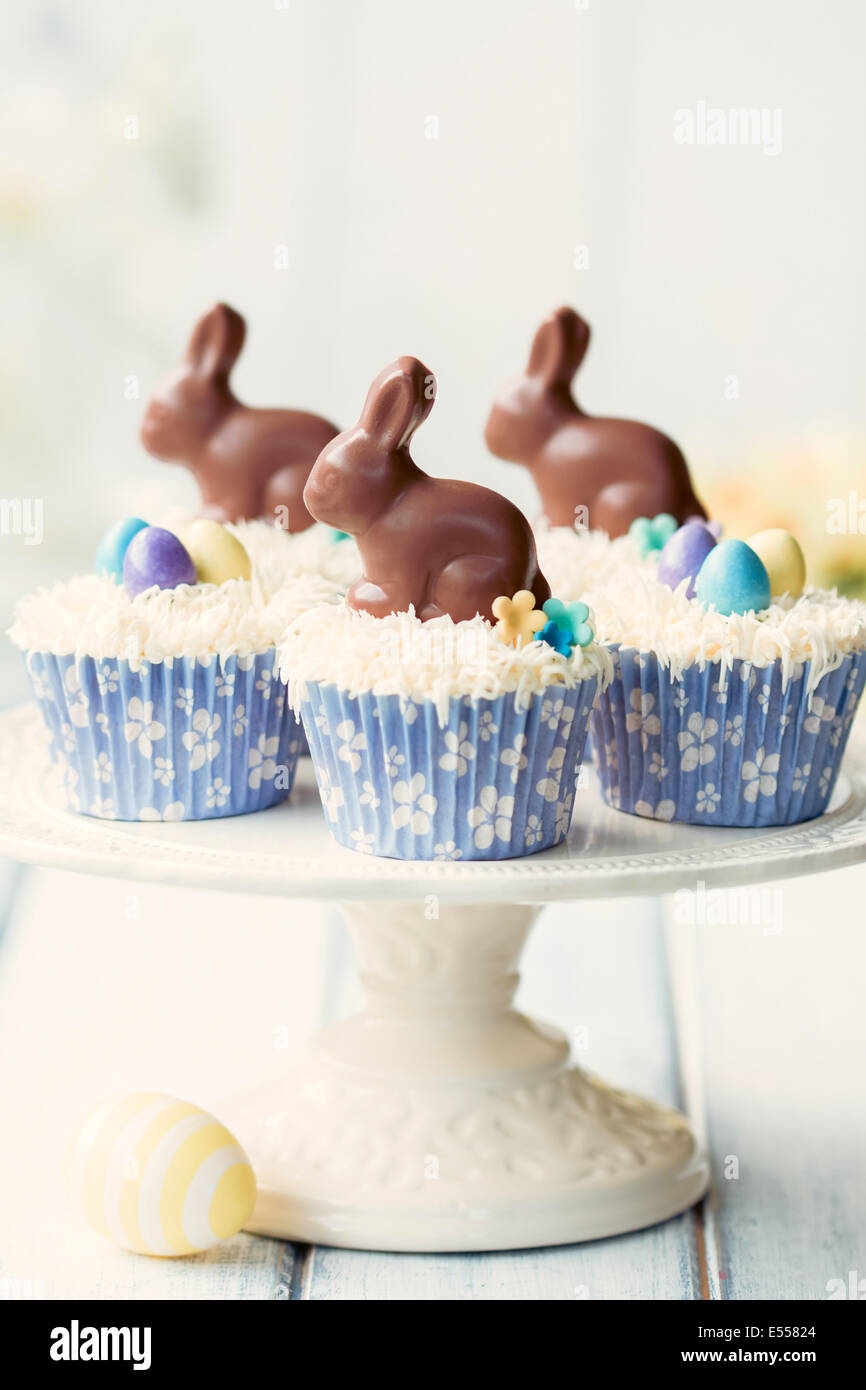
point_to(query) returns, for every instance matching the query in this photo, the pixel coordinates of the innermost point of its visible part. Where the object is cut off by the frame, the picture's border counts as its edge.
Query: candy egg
(216, 553)
(159, 1176)
(715, 527)
(156, 556)
(783, 560)
(733, 579)
(684, 553)
(112, 547)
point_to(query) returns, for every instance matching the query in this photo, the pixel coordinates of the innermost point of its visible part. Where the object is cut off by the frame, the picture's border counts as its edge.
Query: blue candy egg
(112, 547)
(156, 556)
(685, 552)
(733, 579)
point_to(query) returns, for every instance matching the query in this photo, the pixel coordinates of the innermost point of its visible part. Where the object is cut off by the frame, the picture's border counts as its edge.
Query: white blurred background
(370, 178)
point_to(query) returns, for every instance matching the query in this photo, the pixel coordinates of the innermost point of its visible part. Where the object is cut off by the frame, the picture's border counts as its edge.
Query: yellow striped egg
(159, 1176)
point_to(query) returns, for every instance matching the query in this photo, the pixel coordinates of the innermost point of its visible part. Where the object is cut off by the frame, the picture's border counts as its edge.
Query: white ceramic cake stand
(440, 1118)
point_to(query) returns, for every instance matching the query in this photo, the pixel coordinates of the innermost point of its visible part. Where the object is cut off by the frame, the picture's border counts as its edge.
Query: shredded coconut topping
(92, 615)
(574, 561)
(634, 610)
(278, 555)
(637, 611)
(434, 660)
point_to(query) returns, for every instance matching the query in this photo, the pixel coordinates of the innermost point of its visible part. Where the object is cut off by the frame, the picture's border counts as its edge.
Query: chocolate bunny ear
(216, 342)
(398, 401)
(558, 348)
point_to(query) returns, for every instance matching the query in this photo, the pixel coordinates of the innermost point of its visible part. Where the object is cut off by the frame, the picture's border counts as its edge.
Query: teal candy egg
(112, 548)
(733, 579)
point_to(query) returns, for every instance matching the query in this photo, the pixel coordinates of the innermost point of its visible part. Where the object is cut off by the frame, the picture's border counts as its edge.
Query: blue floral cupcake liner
(495, 782)
(186, 739)
(303, 746)
(747, 751)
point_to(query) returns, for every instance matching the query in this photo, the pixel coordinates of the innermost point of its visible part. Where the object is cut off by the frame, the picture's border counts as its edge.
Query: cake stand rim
(37, 831)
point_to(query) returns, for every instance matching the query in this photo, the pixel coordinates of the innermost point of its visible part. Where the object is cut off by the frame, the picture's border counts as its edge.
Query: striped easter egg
(159, 1176)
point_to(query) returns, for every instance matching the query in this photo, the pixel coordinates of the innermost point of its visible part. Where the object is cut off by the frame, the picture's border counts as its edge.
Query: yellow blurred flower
(799, 492)
(801, 489)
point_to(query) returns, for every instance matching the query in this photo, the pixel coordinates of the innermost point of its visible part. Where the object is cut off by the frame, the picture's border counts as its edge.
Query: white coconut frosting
(92, 615)
(635, 610)
(574, 561)
(279, 555)
(434, 660)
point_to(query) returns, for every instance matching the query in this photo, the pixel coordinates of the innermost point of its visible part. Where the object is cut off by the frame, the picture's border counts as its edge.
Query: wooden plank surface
(110, 987)
(780, 1029)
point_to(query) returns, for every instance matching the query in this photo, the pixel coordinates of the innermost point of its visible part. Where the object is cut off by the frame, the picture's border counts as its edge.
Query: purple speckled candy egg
(714, 526)
(683, 555)
(156, 556)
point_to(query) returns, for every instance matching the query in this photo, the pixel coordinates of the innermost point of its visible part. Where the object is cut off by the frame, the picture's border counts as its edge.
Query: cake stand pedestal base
(440, 1118)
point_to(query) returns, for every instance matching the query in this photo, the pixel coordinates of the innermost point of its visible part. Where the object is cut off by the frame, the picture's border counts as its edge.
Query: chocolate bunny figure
(247, 462)
(617, 469)
(440, 545)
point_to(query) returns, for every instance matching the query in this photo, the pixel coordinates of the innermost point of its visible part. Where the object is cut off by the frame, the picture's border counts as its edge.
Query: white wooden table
(758, 1033)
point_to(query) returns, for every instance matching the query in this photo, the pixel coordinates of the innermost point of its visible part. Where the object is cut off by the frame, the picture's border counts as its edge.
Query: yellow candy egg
(159, 1176)
(216, 553)
(783, 560)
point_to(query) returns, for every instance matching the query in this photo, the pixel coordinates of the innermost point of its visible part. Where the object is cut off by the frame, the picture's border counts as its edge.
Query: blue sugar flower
(557, 638)
(571, 618)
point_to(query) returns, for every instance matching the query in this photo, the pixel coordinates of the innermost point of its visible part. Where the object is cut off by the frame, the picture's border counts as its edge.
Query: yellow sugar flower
(519, 619)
